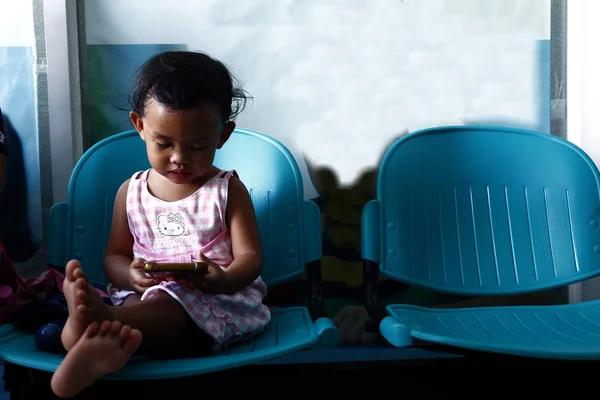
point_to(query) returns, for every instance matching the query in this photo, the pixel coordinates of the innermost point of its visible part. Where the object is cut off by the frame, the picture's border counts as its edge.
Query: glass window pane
(337, 80)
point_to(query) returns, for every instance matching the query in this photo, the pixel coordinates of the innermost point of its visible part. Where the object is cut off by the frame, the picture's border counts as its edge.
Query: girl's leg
(132, 299)
(161, 319)
(95, 349)
(158, 317)
(102, 349)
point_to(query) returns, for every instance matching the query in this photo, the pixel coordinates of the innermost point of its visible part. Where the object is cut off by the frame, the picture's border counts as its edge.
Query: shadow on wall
(341, 208)
(341, 265)
(14, 213)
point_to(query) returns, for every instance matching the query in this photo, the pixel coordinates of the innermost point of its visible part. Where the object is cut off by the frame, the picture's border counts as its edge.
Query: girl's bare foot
(84, 304)
(101, 350)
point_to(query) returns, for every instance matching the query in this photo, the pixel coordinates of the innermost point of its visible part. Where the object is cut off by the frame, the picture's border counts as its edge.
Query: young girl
(183, 209)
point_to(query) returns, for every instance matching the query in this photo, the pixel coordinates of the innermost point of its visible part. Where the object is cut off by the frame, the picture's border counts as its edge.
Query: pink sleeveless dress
(175, 232)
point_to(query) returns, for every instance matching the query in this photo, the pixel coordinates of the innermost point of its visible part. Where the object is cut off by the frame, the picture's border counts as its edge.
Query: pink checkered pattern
(175, 232)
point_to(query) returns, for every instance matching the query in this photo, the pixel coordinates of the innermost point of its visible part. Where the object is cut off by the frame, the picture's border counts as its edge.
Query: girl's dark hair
(181, 80)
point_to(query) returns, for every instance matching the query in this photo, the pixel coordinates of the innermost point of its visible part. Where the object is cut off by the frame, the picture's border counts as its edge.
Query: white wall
(338, 80)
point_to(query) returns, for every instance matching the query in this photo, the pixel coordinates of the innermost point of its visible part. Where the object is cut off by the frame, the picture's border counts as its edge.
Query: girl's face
(181, 145)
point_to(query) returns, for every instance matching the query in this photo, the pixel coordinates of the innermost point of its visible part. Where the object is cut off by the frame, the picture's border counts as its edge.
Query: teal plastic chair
(290, 235)
(481, 211)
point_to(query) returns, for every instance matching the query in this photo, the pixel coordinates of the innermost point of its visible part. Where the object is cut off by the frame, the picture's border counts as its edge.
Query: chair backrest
(264, 165)
(487, 211)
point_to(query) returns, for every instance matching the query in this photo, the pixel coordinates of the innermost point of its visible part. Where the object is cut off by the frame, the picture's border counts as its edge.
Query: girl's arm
(245, 240)
(119, 253)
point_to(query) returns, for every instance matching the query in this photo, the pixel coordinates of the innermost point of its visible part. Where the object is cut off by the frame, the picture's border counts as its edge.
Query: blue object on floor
(48, 337)
(290, 230)
(484, 211)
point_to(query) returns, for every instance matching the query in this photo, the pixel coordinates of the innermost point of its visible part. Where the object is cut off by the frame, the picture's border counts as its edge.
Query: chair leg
(374, 309)
(316, 305)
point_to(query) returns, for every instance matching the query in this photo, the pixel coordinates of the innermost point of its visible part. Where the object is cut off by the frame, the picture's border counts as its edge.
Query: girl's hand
(138, 278)
(214, 281)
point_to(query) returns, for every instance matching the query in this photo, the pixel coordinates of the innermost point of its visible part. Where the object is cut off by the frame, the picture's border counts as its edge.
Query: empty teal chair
(481, 211)
(289, 229)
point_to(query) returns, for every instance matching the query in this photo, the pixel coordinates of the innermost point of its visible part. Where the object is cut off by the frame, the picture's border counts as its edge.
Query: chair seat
(290, 330)
(570, 331)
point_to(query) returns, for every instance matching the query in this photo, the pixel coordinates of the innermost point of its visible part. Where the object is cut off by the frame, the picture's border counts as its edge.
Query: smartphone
(195, 267)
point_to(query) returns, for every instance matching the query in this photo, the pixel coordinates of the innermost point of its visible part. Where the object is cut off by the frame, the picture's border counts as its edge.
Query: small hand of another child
(138, 278)
(214, 281)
